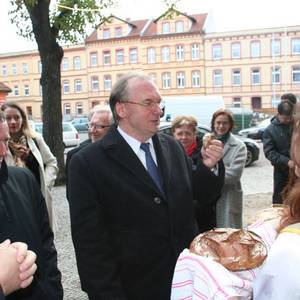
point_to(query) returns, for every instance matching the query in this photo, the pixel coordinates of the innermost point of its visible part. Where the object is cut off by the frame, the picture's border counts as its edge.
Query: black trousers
(280, 178)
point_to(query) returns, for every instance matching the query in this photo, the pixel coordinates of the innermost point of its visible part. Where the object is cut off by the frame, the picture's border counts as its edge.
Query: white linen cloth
(197, 277)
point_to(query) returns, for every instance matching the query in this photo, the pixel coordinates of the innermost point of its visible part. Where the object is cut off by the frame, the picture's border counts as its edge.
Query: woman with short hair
(230, 205)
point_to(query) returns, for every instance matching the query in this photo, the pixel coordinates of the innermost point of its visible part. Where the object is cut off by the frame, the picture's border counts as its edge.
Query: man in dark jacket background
(277, 140)
(24, 218)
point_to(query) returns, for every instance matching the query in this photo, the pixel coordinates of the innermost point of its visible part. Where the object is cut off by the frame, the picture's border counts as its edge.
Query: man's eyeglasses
(97, 126)
(148, 103)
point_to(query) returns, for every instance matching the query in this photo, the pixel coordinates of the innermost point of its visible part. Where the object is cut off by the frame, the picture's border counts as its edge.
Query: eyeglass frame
(97, 126)
(149, 104)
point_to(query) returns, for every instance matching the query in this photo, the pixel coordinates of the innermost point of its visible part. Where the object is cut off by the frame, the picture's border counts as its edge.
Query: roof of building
(147, 27)
(137, 27)
(4, 88)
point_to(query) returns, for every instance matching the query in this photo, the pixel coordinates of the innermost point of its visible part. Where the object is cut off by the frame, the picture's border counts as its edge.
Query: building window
(217, 51)
(107, 82)
(118, 32)
(78, 86)
(133, 55)
(94, 59)
(296, 74)
(217, 78)
(66, 87)
(165, 54)
(95, 83)
(180, 78)
(195, 79)
(106, 33)
(79, 109)
(276, 99)
(180, 53)
(77, 63)
(295, 46)
(40, 90)
(179, 26)
(165, 27)
(166, 80)
(25, 68)
(195, 51)
(255, 76)
(235, 50)
(120, 56)
(255, 49)
(151, 55)
(276, 75)
(40, 67)
(14, 69)
(275, 47)
(106, 57)
(236, 102)
(26, 90)
(16, 90)
(236, 77)
(65, 64)
(4, 70)
(67, 109)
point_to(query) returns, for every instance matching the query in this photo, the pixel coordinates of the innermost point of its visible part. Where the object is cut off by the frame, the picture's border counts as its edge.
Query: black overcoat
(127, 234)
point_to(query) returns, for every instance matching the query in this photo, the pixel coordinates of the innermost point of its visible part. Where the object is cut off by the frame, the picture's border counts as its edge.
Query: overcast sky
(227, 15)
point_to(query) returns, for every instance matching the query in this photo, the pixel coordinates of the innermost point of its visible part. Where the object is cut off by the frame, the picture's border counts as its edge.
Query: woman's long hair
(292, 214)
(25, 128)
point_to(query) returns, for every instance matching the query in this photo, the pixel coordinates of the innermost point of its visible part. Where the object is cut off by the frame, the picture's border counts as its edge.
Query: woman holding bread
(230, 205)
(184, 129)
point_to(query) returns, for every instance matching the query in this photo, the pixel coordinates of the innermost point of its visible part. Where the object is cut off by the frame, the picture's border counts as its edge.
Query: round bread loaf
(235, 249)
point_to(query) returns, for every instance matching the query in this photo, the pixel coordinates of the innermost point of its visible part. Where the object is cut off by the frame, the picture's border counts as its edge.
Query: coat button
(157, 200)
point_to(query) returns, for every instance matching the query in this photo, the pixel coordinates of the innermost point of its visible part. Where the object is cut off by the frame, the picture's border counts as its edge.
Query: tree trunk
(51, 55)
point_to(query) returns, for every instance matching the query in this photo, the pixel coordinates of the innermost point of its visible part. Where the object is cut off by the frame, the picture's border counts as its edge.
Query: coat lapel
(118, 149)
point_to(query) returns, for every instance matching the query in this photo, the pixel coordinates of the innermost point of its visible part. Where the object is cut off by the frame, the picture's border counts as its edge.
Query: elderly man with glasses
(100, 120)
(131, 199)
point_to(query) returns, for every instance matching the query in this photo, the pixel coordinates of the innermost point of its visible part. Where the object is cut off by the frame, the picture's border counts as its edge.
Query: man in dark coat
(129, 225)
(100, 120)
(24, 217)
(277, 141)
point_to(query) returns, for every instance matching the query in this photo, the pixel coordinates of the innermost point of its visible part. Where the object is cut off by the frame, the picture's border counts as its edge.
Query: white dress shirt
(135, 146)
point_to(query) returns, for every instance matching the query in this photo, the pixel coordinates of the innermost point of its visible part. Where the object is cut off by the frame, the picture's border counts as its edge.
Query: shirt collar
(132, 142)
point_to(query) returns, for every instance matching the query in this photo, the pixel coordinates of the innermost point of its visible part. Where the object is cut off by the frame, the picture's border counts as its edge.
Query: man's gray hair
(102, 108)
(120, 92)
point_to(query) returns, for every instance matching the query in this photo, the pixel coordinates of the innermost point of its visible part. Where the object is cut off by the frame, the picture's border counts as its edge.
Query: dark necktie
(151, 166)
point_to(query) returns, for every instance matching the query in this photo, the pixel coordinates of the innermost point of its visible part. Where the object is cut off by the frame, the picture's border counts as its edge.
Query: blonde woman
(28, 149)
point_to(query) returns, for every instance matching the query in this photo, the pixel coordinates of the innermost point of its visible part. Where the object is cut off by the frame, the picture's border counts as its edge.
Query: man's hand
(212, 154)
(9, 268)
(17, 266)
(26, 259)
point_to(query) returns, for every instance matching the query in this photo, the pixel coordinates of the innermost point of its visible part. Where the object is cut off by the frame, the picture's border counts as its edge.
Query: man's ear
(121, 110)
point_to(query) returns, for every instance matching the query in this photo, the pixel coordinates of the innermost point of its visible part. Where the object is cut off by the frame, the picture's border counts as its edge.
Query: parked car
(81, 124)
(252, 146)
(255, 132)
(70, 134)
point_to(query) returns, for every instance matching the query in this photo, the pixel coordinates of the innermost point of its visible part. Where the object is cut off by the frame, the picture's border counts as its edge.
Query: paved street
(257, 186)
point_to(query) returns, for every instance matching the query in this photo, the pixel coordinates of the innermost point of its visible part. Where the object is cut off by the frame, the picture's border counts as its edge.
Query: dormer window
(106, 33)
(166, 27)
(179, 26)
(118, 32)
